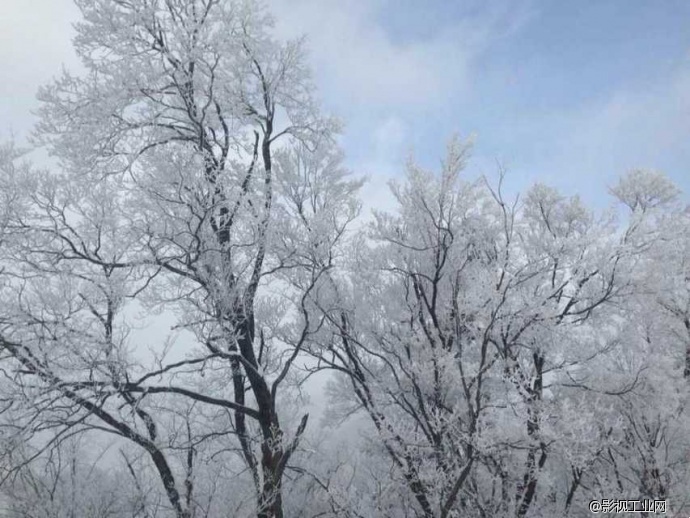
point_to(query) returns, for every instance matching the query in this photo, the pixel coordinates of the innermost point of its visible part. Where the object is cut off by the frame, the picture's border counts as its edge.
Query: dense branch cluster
(485, 356)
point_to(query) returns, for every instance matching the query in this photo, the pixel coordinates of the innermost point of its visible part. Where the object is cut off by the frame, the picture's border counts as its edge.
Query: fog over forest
(344, 259)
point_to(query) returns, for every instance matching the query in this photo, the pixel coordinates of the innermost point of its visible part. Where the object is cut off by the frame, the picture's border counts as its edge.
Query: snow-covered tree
(173, 280)
(195, 175)
(484, 339)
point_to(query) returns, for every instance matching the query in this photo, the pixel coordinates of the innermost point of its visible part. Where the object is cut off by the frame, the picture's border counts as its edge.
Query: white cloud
(631, 128)
(389, 137)
(360, 62)
(586, 146)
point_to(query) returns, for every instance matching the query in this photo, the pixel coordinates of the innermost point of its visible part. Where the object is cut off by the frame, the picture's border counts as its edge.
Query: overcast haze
(571, 93)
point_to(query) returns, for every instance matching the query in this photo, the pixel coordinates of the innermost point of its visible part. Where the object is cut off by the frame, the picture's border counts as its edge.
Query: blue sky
(569, 93)
(572, 93)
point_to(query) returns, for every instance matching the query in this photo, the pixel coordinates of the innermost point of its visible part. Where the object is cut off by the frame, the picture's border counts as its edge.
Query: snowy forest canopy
(478, 355)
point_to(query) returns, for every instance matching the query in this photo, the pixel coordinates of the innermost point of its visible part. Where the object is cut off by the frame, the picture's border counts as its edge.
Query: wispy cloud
(645, 126)
(355, 57)
(359, 62)
(388, 83)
